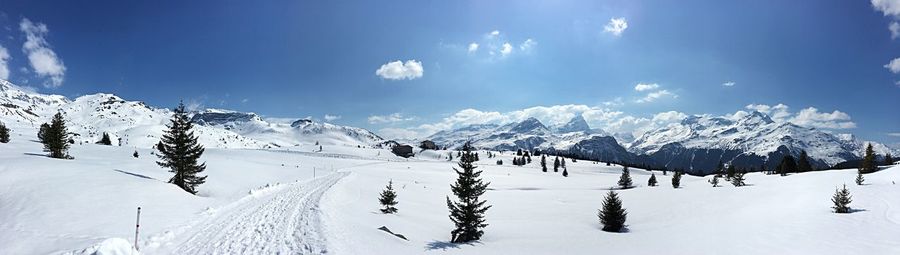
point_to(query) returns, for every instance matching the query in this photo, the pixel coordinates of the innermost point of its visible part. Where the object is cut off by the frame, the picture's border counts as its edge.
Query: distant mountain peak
(576, 124)
(528, 125)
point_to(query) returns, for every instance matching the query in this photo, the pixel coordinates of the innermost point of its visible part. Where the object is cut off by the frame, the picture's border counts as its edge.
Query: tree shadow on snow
(134, 174)
(854, 210)
(35, 154)
(443, 245)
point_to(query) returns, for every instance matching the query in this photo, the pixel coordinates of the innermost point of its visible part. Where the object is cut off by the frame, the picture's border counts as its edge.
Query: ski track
(283, 222)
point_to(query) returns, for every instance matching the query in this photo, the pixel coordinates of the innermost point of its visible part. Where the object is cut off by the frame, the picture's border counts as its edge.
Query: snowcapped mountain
(301, 131)
(698, 143)
(133, 123)
(527, 134)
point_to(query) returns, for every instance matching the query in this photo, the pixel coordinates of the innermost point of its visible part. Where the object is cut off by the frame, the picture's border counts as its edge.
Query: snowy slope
(301, 131)
(527, 134)
(140, 125)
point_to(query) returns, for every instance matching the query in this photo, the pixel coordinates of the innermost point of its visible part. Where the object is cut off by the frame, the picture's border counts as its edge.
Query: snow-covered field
(268, 202)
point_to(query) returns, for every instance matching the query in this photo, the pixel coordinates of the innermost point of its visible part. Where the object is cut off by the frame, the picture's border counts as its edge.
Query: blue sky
(825, 62)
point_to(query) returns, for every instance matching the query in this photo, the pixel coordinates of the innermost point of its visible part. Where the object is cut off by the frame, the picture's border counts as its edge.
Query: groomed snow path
(285, 220)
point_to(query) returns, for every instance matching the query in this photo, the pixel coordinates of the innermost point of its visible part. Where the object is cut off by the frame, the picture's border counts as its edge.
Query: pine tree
(738, 179)
(625, 178)
(730, 172)
(888, 160)
(841, 200)
(179, 151)
(720, 169)
(562, 163)
(652, 181)
(43, 132)
(714, 181)
(56, 137)
(135, 155)
(556, 165)
(543, 163)
(565, 173)
(105, 140)
(612, 215)
(788, 165)
(803, 163)
(388, 199)
(859, 177)
(676, 180)
(868, 164)
(468, 213)
(4, 133)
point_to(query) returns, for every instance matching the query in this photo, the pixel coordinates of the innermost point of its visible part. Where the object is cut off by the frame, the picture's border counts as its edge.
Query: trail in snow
(285, 221)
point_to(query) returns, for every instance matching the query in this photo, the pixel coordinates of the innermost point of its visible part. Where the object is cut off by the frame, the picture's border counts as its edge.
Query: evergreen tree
(868, 164)
(467, 213)
(562, 163)
(543, 163)
(556, 165)
(652, 181)
(841, 200)
(607, 163)
(720, 169)
(803, 163)
(714, 181)
(56, 137)
(612, 215)
(738, 179)
(388, 199)
(42, 132)
(179, 151)
(528, 159)
(105, 140)
(676, 180)
(730, 172)
(888, 160)
(4, 133)
(499, 162)
(565, 173)
(788, 165)
(625, 178)
(135, 155)
(859, 177)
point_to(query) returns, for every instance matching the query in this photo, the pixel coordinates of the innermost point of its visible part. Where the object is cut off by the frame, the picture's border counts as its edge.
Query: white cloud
(473, 47)
(894, 65)
(811, 117)
(527, 45)
(329, 117)
(494, 33)
(616, 26)
(894, 134)
(618, 101)
(669, 117)
(778, 112)
(653, 96)
(729, 84)
(888, 7)
(245, 100)
(43, 60)
(646, 86)
(397, 70)
(506, 49)
(895, 29)
(392, 118)
(4, 63)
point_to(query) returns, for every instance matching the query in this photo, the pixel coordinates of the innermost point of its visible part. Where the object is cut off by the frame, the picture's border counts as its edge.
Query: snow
(251, 204)
(111, 246)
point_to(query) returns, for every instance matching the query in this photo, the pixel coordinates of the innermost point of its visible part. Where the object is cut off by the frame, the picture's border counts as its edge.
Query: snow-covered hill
(135, 124)
(301, 131)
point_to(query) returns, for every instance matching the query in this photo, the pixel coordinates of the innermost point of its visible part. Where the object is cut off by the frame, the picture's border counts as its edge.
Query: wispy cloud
(646, 86)
(729, 84)
(656, 95)
(329, 117)
(473, 47)
(41, 57)
(894, 65)
(392, 118)
(4, 63)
